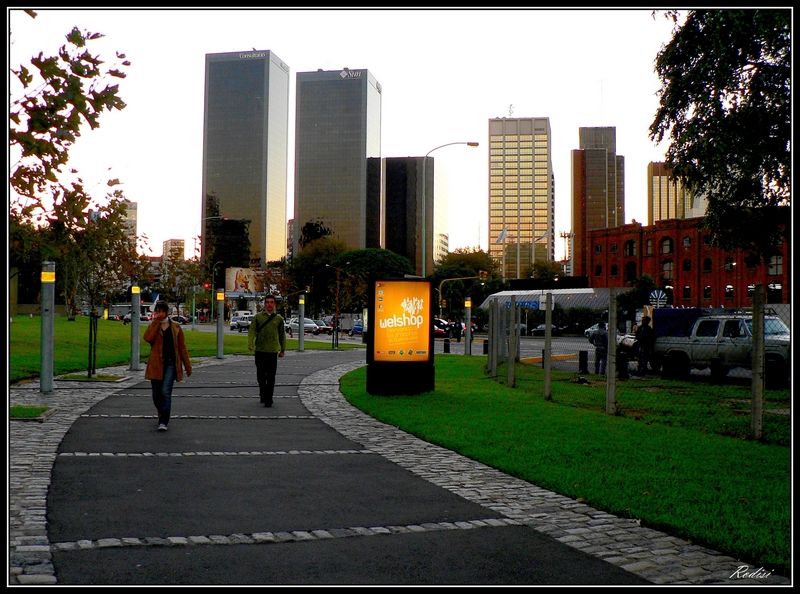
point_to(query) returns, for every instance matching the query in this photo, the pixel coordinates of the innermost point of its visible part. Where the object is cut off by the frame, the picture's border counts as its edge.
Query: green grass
(730, 494)
(71, 345)
(19, 411)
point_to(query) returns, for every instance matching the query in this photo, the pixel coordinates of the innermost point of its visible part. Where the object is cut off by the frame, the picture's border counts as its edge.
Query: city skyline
(458, 70)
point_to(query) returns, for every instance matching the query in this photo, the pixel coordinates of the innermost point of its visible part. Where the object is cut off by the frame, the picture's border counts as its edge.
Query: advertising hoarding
(400, 337)
(243, 282)
(401, 326)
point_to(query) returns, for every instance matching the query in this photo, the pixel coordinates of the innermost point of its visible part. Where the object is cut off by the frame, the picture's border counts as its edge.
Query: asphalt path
(235, 493)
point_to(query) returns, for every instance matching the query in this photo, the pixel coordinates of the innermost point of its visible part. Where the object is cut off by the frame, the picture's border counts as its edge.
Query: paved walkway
(97, 496)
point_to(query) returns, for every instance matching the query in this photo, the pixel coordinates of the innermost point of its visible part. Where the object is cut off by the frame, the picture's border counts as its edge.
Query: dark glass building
(245, 149)
(338, 127)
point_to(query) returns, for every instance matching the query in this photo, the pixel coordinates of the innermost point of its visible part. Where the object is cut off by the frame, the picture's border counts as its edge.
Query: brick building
(676, 253)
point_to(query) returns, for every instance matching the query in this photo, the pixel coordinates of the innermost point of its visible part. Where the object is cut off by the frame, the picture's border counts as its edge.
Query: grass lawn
(71, 349)
(731, 494)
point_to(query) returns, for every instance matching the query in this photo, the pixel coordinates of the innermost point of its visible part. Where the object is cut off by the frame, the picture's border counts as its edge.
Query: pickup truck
(694, 339)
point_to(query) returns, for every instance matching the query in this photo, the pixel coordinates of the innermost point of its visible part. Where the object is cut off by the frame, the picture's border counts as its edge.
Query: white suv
(242, 322)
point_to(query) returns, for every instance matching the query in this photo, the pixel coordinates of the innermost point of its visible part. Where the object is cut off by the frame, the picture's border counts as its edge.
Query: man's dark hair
(270, 296)
(162, 306)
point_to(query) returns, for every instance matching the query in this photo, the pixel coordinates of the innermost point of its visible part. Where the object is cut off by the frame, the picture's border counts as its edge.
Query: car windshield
(772, 327)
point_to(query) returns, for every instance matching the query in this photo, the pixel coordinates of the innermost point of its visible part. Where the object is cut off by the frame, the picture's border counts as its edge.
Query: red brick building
(676, 253)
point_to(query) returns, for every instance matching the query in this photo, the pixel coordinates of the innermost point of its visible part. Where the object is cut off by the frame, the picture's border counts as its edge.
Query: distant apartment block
(173, 248)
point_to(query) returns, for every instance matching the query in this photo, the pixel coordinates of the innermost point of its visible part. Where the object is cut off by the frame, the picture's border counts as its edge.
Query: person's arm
(251, 334)
(281, 335)
(183, 352)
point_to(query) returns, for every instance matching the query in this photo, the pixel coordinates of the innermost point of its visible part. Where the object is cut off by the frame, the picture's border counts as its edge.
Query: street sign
(658, 298)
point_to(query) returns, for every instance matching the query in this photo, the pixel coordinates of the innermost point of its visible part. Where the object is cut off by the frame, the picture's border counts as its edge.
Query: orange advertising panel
(402, 322)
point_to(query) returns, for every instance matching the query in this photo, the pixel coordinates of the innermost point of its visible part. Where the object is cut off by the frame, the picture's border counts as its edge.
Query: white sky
(444, 74)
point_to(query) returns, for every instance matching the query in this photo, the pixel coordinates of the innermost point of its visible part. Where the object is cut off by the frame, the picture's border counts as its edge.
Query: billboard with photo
(243, 282)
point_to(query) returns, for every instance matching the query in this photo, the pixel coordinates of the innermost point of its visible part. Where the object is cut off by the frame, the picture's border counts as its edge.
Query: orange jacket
(155, 363)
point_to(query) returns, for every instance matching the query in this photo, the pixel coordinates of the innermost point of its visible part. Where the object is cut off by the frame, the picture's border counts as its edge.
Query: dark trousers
(162, 393)
(266, 367)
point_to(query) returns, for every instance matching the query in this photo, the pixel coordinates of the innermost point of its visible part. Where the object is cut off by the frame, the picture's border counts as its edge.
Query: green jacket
(267, 337)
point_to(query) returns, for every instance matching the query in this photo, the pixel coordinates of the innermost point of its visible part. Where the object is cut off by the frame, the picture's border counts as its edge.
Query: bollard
(583, 361)
(485, 346)
(446, 345)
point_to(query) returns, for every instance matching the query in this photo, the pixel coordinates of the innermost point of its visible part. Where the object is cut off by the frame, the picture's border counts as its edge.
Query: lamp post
(424, 198)
(213, 278)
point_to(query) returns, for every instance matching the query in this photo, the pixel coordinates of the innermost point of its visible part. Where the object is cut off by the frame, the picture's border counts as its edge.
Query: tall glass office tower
(338, 127)
(245, 149)
(521, 194)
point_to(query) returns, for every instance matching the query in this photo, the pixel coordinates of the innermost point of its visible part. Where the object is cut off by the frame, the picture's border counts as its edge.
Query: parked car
(541, 329)
(181, 319)
(126, 319)
(441, 328)
(591, 330)
(309, 325)
(357, 329)
(234, 320)
(323, 327)
(243, 322)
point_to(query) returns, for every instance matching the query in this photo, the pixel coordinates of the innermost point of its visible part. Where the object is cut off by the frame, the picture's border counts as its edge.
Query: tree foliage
(313, 230)
(52, 215)
(725, 104)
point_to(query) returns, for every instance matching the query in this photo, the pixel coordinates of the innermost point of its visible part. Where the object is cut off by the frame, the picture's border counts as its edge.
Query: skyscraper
(338, 127)
(521, 194)
(598, 190)
(245, 146)
(668, 199)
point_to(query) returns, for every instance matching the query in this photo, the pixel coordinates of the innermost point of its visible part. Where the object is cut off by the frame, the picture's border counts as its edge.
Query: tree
(312, 231)
(52, 99)
(725, 103)
(460, 263)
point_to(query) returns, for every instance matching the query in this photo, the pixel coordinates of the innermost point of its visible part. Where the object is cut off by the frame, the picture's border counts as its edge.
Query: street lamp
(424, 198)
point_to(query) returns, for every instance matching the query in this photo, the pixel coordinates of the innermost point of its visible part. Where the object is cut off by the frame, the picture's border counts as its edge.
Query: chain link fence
(717, 371)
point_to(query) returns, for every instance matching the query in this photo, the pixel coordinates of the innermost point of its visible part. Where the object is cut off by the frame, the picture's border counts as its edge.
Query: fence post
(548, 320)
(757, 385)
(512, 345)
(446, 345)
(611, 363)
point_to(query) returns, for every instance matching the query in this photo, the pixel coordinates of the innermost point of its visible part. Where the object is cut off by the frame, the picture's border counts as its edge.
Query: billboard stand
(400, 337)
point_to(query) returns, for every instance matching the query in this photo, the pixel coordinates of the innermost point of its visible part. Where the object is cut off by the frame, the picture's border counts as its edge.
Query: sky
(444, 74)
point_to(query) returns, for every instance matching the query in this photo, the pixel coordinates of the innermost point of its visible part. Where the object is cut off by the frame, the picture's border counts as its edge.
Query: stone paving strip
(653, 555)
(282, 536)
(217, 453)
(259, 417)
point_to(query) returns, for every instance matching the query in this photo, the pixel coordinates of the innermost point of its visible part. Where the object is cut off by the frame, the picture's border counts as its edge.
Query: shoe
(162, 427)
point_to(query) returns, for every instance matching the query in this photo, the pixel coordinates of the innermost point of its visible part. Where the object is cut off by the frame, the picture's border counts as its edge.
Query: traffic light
(483, 275)
(206, 286)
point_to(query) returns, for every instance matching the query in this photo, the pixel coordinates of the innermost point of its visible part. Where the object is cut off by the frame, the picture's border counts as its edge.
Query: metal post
(136, 312)
(611, 354)
(48, 279)
(194, 309)
(301, 323)
(468, 330)
(220, 296)
(757, 381)
(548, 333)
(512, 345)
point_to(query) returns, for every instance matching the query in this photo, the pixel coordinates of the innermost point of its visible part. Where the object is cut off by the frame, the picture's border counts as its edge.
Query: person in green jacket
(267, 338)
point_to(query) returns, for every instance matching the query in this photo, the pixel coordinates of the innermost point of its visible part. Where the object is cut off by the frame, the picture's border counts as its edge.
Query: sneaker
(162, 427)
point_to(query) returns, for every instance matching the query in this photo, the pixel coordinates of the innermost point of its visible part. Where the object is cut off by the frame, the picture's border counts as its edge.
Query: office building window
(666, 245)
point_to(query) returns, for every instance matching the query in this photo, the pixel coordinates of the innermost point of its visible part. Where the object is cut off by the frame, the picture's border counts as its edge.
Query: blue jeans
(162, 393)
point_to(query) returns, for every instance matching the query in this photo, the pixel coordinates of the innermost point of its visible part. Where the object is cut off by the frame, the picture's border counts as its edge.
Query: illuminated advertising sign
(243, 282)
(401, 326)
